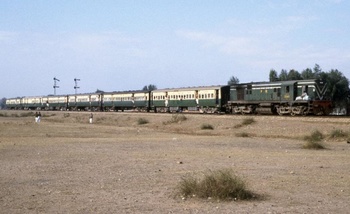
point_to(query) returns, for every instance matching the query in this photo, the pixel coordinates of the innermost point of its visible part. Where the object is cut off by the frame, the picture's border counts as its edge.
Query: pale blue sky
(115, 45)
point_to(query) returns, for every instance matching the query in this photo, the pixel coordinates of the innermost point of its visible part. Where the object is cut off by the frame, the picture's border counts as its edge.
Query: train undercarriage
(189, 109)
(300, 108)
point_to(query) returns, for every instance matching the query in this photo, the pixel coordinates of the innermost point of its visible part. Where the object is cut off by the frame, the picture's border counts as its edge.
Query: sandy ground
(66, 165)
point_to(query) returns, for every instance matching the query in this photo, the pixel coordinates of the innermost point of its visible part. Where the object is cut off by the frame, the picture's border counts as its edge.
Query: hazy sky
(116, 45)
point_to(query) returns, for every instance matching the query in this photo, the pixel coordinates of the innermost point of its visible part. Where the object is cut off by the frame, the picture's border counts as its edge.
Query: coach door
(240, 93)
(217, 96)
(288, 91)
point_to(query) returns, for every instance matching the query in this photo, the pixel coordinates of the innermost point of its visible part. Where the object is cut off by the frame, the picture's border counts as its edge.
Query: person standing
(39, 117)
(36, 117)
(91, 116)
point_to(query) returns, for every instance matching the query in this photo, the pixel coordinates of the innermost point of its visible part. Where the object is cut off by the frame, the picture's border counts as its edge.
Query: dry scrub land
(120, 164)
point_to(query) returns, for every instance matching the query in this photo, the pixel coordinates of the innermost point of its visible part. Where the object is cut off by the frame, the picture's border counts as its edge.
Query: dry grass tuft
(176, 118)
(142, 121)
(243, 134)
(313, 140)
(245, 122)
(338, 134)
(220, 184)
(207, 126)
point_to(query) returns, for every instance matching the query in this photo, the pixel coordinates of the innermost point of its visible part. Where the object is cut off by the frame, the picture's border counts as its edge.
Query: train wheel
(279, 112)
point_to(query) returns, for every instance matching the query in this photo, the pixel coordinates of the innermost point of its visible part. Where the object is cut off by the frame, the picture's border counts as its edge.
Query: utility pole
(55, 85)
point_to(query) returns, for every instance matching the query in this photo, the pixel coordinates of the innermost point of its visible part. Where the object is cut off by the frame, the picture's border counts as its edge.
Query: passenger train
(299, 97)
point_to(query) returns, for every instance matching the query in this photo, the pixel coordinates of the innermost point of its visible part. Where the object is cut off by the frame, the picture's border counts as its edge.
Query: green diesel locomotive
(300, 97)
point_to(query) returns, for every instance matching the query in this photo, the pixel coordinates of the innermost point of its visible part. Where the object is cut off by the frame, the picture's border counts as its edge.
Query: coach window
(287, 89)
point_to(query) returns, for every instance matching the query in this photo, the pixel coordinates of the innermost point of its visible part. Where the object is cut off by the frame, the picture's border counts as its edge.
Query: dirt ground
(115, 165)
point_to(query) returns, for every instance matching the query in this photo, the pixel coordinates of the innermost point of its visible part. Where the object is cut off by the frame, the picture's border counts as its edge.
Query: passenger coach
(211, 99)
(128, 100)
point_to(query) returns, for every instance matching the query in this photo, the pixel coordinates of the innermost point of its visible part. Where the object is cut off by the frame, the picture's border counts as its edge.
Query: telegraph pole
(76, 85)
(55, 85)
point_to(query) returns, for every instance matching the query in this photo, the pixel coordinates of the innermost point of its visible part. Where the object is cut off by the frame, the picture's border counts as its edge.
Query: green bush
(220, 184)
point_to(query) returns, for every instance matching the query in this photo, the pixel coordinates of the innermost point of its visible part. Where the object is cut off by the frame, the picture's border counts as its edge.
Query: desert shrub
(248, 121)
(313, 140)
(245, 122)
(207, 126)
(219, 184)
(142, 121)
(242, 134)
(176, 118)
(313, 145)
(3, 114)
(337, 133)
(315, 136)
